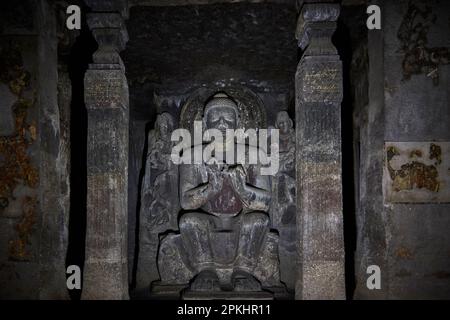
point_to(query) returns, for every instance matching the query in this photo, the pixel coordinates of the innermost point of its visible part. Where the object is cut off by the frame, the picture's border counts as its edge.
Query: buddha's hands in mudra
(237, 176)
(215, 180)
(217, 173)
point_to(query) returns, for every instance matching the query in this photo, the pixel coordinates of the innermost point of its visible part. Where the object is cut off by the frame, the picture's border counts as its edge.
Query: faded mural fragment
(19, 177)
(417, 172)
(419, 57)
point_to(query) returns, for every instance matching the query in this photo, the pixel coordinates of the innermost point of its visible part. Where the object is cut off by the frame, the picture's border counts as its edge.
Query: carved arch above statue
(252, 111)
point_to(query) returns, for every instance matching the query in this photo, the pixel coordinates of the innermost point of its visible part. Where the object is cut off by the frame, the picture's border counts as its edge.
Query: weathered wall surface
(19, 157)
(19, 169)
(408, 92)
(175, 50)
(33, 155)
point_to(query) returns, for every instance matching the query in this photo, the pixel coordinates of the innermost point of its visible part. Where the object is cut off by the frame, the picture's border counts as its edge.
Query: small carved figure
(287, 141)
(283, 208)
(159, 198)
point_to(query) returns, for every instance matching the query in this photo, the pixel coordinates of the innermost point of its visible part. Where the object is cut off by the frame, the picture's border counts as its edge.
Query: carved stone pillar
(318, 85)
(106, 97)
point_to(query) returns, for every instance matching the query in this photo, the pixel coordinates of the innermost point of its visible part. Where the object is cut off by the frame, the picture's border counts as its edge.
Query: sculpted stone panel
(224, 243)
(159, 198)
(218, 227)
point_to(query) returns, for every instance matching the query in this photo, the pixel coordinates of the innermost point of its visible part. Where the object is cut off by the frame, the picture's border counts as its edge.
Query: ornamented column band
(106, 97)
(318, 138)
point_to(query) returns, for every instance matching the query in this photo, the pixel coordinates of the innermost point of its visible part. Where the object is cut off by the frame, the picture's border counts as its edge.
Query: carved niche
(218, 230)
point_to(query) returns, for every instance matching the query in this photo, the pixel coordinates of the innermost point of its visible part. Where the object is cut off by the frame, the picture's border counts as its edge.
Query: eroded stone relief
(419, 56)
(19, 176)
(283, 207)
(235, 227)
(159, 198)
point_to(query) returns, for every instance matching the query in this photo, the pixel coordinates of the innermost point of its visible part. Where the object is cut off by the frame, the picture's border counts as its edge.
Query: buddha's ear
(156, 125)
(204, 128)
(291, 123)
(203, 123)
(238, 119)
(205, 133)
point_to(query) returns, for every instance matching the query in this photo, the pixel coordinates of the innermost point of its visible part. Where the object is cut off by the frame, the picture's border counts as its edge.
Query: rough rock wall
(33, 155)
(408, 90)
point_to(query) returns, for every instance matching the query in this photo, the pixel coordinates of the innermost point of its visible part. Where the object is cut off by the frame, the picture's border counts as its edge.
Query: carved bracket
(316, 24)
(111, 35)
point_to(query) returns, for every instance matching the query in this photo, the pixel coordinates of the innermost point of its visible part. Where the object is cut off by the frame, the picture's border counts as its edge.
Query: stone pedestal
(318, 84)
(106, 97)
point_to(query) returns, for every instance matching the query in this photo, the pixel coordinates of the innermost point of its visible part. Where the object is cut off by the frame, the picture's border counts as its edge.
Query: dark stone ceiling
(174, 49)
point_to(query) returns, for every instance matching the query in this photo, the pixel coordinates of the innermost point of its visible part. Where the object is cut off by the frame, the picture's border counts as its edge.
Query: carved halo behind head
(251, 110)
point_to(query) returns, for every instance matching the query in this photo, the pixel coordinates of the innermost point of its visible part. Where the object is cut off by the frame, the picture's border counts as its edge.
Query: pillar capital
(315, 27)
(109, 30)
(119, 6)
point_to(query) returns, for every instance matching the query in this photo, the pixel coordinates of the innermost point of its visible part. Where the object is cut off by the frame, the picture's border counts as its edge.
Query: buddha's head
(221, 113)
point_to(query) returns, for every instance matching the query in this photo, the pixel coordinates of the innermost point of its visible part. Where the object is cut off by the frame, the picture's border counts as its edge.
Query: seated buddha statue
(224, 241)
